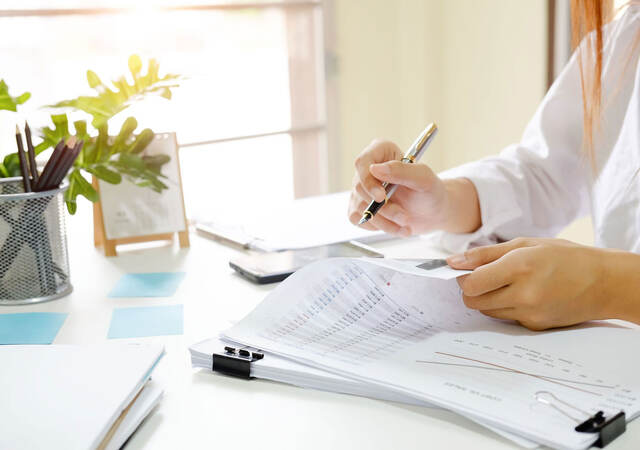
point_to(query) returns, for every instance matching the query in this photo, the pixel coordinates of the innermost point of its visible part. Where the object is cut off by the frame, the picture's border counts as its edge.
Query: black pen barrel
(373, 208)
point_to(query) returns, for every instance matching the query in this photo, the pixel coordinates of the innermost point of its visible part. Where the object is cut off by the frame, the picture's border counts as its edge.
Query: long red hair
(587, 19)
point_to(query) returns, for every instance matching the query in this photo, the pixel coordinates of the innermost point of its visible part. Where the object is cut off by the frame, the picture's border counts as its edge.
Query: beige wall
(494, 67)
(476, 67)
(388, 74)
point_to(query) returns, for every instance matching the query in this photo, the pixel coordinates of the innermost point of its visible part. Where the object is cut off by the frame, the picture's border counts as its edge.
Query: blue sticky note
(155, 284)
(145, 321)
(30, 328)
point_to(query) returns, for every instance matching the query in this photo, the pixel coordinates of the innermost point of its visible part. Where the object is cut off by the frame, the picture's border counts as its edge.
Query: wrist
(462, 206)
(620, 293)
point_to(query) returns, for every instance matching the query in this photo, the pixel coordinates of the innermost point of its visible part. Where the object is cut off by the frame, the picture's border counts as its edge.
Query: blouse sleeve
(538, 186)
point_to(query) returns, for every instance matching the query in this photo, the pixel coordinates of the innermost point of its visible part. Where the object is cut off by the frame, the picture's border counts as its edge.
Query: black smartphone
(263, 268)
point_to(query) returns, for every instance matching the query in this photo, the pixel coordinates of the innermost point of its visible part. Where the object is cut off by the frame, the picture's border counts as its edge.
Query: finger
(355, 212)
(418, 177)
(498, 299)
(376, 152)
(394, 213)
(362, 193)
(489, 277)
(388, 226)
(390, 210)
(479, 256)
(504, 313)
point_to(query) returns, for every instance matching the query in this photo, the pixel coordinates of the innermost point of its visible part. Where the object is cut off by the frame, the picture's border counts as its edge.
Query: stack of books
(75, 397)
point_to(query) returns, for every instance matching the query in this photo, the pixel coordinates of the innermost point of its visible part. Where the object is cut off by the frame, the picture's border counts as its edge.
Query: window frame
(310, 135)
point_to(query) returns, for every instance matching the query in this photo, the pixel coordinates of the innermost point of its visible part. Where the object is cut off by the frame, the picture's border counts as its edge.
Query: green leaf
(142, 141)
(12, 165)
(104, 173)
(93, 79)
(9, 103)
(51, 136)
(101, 143)
(81, 129)
(127, 129)
(110, 101)
(23, 98)
(61, 123)
(72, 206)
(83, 187)
(70, 196)
(132, 161)
(135, 65)
(155, 162)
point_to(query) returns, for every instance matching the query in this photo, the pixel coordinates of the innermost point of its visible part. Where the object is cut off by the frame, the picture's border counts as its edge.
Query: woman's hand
(541, 283)
(422, 202)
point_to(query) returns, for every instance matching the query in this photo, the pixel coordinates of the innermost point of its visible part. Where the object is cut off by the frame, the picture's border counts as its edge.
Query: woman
(580, 154)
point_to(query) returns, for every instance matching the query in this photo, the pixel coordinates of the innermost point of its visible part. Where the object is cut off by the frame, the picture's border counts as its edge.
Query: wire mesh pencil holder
(34, 263)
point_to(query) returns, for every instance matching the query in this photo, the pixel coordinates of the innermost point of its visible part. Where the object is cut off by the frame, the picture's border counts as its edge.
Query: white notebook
(403, 330)
(67, 396)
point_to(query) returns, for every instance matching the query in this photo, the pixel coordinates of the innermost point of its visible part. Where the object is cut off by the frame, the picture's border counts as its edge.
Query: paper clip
(607, 429)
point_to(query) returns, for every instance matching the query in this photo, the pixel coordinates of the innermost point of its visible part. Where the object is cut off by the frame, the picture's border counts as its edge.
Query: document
(304, 223)
(411, 333)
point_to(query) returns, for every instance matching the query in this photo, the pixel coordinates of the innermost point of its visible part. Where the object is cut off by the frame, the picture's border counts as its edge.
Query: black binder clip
(235, 362)
(608, 429)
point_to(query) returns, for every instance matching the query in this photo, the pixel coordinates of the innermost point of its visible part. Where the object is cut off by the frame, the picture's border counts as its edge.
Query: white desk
(203, 410)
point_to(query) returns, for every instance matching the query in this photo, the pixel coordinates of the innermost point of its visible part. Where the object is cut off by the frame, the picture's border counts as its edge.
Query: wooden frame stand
(100, 238)
(109, 245)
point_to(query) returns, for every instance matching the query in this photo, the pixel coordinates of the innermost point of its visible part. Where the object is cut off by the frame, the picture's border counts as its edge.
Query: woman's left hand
(541, 283)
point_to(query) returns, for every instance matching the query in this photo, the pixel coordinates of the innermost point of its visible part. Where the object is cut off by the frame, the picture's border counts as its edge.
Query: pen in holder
(34, 263)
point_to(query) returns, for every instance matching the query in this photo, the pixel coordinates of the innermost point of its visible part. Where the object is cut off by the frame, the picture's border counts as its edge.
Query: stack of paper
(275, 368)
(404, 331)
(75, 397)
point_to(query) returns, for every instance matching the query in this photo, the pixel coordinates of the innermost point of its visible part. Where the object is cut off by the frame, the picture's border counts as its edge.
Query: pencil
(26, 181)
(58, 171)
(32, 154)
(65, 164)
(48, 168)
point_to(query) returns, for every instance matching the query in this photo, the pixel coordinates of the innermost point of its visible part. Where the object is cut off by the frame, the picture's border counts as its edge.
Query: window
(250, 115)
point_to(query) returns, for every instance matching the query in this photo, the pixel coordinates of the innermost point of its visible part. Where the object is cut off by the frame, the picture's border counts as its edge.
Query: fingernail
(457, 260)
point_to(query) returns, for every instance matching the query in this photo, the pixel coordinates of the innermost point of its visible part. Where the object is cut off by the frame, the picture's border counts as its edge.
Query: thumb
(418, 177)
(480, 256)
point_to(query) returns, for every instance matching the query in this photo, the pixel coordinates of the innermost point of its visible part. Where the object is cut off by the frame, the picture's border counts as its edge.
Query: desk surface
(205, 410)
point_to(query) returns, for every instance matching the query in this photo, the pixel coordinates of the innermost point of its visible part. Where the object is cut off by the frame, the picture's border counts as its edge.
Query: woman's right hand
(420, 203)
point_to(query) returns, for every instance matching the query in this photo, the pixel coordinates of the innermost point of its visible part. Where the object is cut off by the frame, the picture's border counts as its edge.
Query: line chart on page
(485, 365)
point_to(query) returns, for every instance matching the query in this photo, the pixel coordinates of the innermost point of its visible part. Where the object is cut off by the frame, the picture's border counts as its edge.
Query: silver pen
(413, 154)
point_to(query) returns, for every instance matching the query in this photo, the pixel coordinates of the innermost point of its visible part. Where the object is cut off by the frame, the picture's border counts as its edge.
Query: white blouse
(537, 187)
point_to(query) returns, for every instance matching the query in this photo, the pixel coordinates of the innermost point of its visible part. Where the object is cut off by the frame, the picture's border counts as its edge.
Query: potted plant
(108, 157)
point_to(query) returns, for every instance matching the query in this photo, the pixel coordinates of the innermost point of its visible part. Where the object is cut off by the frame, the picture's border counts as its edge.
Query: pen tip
(363, 220)
(17, 129)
